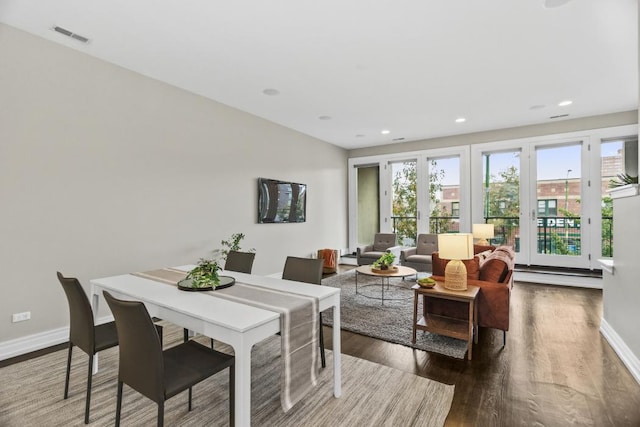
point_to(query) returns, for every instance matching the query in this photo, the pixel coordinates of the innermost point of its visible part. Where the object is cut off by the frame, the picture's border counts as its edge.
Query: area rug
(365, 314)
(372, 394)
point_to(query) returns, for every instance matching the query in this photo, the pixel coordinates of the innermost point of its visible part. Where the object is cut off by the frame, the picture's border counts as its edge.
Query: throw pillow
(494, 270)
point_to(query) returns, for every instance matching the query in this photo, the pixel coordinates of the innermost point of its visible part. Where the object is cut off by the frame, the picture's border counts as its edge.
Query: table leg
(243, 385)
(475, 322)
(356, 282)
(337, 359)
(383, 288)
(415, 315)
(471, 322)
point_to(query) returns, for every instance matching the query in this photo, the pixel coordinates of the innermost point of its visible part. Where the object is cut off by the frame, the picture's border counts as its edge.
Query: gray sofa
(419, 257)
(382, 242)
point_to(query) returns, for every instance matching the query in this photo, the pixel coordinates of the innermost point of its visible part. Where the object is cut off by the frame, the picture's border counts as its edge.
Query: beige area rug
(372, 395)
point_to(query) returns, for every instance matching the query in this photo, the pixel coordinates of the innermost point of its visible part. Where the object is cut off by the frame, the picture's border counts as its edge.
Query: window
(455, 209)
(548, 207)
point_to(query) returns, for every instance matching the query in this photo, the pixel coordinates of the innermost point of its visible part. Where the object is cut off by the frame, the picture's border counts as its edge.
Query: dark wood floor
(556, 369)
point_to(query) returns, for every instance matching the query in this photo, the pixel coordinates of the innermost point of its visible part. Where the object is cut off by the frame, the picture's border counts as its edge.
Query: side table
(443, 325)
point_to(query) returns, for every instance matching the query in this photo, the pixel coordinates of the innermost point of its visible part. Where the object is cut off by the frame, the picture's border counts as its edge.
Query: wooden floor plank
(556, 369)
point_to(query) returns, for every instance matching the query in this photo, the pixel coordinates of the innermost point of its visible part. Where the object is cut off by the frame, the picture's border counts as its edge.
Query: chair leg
(119, 403)
(161, 414)
(232, 395)
(212, 343)
(66, 382)
(189, 399)
(159, 330)
(89, 380)
(186, 335)
(324, 362)
(504, 338)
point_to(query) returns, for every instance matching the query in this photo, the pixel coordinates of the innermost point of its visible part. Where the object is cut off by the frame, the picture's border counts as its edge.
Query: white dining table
(238, 325)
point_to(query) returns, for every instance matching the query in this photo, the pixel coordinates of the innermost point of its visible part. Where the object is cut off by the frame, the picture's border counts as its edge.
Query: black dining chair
(242, 262)
(308, 270)
(83, 333)
(156, 374)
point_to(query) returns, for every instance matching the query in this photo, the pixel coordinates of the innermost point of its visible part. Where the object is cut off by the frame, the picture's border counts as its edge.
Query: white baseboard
(558, 279)
(24, 345)
(625, 354)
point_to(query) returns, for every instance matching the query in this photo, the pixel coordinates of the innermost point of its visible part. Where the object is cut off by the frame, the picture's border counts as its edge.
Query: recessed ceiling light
(397, 139)
(559, 116)
(565, 103)
(271, 92)
(325, 117)
(461, 120)
(385, 132)
(360, 135)
(537, 107)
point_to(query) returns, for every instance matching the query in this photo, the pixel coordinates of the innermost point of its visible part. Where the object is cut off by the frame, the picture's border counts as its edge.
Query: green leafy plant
(623, 179)
(205, 274)
(385, 261)
(231, 244)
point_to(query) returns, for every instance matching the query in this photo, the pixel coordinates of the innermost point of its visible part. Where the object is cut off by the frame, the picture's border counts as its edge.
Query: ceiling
(345, 71)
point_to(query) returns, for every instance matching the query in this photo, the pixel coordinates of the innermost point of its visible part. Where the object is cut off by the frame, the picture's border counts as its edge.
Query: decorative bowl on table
(389, 270)
(426, 282)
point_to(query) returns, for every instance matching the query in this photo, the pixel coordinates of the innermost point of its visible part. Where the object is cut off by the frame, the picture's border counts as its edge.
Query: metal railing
(556, 235)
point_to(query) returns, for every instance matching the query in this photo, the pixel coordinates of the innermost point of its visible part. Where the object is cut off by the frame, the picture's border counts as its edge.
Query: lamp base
(455, 275)
(483, 242)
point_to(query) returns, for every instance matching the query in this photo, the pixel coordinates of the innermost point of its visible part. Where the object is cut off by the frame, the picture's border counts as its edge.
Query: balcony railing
(556, 235)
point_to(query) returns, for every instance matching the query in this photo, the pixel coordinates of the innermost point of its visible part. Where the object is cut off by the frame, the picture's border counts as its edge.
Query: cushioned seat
(419, 257)
(382, 243)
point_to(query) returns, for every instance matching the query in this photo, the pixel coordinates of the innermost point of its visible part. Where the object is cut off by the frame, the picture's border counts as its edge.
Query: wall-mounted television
(281, 201)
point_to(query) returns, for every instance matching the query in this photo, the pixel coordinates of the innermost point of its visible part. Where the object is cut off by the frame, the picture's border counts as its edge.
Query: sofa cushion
(424, 259)
(439, 265)
(426, 244)
(473, 268)
(493, 270)
(384, 241)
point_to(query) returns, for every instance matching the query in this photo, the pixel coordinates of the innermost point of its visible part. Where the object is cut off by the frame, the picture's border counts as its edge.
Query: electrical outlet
(20, 317)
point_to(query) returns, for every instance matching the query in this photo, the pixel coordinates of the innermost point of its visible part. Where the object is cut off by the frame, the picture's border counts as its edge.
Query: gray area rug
(372, 394)
(365, 314)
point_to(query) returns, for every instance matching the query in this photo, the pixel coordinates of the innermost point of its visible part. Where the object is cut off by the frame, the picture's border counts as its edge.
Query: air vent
(71, 34)
(559, 116)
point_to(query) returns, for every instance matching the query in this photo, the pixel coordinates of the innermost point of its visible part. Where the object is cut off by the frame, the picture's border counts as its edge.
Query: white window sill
(628, 190)
(607, 265)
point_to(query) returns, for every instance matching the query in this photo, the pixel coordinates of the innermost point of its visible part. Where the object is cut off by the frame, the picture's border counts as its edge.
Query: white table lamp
(455, 247)
(483, 232)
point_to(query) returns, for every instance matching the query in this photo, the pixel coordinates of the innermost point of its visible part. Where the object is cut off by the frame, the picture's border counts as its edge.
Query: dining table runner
(298, 328)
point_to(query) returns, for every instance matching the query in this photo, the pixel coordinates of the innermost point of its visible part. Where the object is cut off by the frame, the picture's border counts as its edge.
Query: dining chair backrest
(82, 332)
(242, 262)
(308, 270)
(141, 363)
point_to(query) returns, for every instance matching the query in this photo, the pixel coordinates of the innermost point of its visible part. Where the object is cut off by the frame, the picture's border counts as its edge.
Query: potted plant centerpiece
(203, 277)
(385, 262)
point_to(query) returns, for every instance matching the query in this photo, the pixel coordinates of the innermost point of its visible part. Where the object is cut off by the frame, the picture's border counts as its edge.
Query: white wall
(104, 171)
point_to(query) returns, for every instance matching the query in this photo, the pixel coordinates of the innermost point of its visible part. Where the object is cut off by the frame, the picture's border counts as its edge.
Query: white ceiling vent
(71, 34)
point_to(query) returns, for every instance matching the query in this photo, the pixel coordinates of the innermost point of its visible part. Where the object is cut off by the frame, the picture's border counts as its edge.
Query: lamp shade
(455, 246)
(483, 231)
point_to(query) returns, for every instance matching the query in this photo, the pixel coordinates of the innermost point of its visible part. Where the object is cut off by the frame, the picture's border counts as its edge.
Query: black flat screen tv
(281, 201)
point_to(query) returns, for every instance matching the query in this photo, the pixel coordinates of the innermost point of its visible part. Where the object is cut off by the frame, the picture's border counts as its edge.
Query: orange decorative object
(330, 258)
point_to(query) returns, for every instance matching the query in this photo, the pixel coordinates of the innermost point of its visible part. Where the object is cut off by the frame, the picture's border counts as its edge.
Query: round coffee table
(399, 271)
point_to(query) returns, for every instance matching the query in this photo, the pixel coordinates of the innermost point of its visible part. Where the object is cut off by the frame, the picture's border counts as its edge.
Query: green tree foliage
(404, 203)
